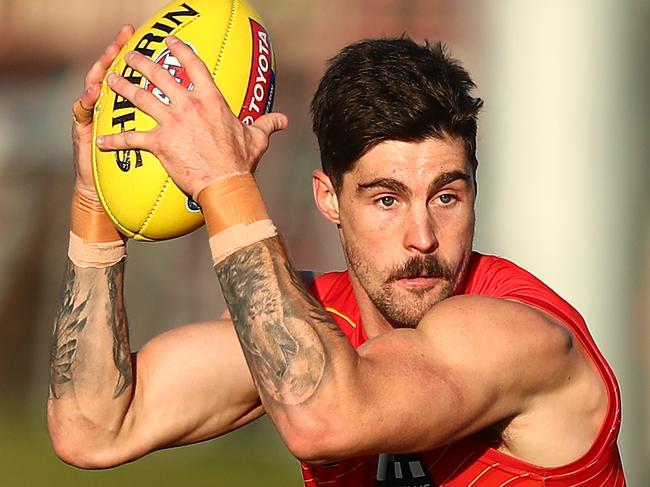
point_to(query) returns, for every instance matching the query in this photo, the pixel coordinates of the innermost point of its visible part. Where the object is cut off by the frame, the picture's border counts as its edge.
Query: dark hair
(391, 89)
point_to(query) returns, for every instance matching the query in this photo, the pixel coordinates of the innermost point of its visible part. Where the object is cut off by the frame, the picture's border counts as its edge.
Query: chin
(405, 308)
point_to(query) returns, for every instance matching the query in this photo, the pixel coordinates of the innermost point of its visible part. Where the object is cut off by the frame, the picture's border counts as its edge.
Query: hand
(82, 114)
(198, 139)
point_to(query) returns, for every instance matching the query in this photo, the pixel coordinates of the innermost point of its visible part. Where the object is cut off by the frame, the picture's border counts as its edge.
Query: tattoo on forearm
(119, 325)
(70, 321)
(72, 317)
(280, 325)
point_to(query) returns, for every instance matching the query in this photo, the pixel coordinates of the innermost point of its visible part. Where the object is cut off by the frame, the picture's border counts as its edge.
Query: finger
(125, 140)
(82, 109)
(124, 34)
(271, 123)
(157, 75)
(98, 70)
(141, 98)
(196, 69)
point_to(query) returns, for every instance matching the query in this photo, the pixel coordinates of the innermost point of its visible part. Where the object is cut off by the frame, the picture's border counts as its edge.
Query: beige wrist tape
(234, 214)
(94, 240)
(90, 222)
(232, 239)
(95, 254)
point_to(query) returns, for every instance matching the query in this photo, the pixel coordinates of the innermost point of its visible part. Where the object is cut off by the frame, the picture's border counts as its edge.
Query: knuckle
(194, 102)
(129, 138)
(158, 73)
(186, 104)
(259, 148)
(196, 64)
(120, 83)
(159, 145)
(109, 141)
(140, 96)
(110, 49)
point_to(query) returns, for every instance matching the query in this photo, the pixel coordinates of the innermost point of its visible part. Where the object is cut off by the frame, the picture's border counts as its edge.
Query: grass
(249, 457)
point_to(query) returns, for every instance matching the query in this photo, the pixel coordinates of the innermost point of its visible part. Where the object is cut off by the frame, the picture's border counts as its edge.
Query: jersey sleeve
(499, 278)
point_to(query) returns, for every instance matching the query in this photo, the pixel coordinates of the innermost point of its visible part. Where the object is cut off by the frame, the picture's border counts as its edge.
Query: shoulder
(479, 315)
(500, 337)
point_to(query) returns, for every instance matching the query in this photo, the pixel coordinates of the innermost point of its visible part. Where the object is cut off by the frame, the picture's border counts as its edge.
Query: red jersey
(468, 462)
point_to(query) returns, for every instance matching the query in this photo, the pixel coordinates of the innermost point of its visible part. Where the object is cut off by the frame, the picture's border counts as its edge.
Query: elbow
(81, 449)
(316, 438)
(84, 456)
(75, 453)
(324, 429)
(73, 456)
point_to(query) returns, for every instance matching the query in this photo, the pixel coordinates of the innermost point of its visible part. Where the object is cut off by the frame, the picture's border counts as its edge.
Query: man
(423, 364)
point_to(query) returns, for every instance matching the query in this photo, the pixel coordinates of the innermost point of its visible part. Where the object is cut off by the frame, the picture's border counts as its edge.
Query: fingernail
(172, 39)
(100, 140)
(130, 55)
(111, 78)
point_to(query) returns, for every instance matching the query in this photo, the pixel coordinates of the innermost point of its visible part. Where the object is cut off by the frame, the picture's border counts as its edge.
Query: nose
(419, 233)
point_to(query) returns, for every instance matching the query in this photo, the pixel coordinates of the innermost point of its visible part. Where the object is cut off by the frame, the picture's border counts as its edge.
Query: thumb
(271, 123)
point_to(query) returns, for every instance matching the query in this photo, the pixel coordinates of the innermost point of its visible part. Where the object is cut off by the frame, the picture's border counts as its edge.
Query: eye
(386, 201)
(447, 198)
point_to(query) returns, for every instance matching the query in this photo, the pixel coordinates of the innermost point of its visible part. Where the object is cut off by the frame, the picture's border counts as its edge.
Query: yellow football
(230, 38)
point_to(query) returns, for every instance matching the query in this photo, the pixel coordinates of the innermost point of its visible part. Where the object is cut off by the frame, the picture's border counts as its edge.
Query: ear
(325, 196)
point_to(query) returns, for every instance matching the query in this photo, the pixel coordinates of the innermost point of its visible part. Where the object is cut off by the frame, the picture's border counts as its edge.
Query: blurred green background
(253, 455)
(563, 191)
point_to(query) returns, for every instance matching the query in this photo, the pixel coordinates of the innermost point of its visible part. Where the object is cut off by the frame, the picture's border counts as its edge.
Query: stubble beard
(405, 308)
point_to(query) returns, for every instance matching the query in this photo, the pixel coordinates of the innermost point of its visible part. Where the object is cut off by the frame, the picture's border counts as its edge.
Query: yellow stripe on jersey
(341, 315)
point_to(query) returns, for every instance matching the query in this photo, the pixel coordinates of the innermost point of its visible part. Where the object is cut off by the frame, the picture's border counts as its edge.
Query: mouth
(418, 282)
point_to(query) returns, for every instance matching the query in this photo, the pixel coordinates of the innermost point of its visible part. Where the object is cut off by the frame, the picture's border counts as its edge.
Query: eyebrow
(386, 183)
(398, 187)
(448, 177)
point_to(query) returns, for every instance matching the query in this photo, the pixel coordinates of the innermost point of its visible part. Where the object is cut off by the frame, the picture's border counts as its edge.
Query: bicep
(192, 383)
(471, 363)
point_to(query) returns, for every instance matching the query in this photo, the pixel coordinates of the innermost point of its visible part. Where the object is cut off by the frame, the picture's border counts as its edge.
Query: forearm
(288, 338)
(91, 375)
(304, 368)
(90, 360)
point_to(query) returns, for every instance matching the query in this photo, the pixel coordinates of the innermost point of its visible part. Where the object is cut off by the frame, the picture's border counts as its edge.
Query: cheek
(455, 234)
(371, 232)
(356, 224)
(372, 223)
(367, 244)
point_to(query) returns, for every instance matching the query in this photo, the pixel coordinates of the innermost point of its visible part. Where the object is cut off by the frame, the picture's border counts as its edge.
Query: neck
(374, 323)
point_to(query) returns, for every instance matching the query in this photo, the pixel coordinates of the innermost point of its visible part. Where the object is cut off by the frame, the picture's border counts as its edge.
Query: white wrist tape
(95, 254)
(230, 240)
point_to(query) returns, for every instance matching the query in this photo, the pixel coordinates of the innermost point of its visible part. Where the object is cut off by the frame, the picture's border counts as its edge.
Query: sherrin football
(229, 36)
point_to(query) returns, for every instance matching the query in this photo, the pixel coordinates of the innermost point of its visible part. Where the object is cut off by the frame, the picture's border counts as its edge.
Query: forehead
(411, 162)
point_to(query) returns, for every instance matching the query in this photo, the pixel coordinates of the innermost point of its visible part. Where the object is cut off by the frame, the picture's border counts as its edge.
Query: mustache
(426, 265)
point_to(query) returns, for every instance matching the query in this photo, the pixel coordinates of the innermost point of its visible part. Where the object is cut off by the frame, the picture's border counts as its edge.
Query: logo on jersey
(168, 61)
(406, 470)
